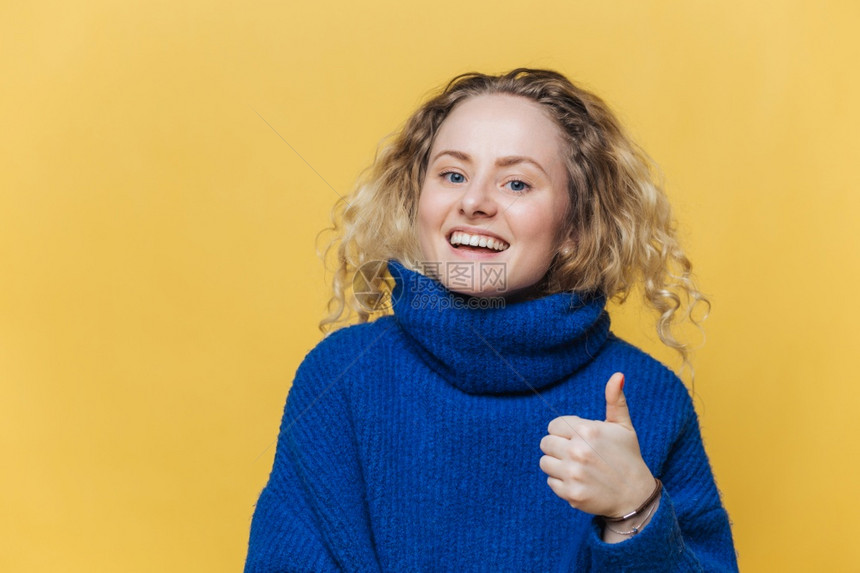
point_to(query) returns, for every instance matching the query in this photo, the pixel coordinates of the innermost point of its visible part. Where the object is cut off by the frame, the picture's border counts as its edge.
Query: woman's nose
(478, 200)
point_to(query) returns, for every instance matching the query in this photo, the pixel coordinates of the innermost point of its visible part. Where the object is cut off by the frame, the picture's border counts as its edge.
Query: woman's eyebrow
(456, 154)
(500, 162)
(515, 159)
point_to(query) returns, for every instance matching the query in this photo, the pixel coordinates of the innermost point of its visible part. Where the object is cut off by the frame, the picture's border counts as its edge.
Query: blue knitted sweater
(411, 443)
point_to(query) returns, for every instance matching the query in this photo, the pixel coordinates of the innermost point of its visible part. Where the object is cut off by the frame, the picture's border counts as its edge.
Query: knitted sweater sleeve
(311, 516)
(690, 530)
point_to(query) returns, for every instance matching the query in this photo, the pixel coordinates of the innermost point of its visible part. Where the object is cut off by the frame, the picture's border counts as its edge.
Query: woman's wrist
(617, 529)
(655, 493)
(629, 527)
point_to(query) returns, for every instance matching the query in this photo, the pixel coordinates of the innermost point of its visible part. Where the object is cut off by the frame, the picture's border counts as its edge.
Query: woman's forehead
(500, 125)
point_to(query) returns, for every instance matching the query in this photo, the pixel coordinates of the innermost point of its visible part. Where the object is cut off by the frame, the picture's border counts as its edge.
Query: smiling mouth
(461, 240)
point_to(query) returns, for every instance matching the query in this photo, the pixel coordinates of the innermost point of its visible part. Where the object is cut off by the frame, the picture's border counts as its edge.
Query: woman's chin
(486, 293)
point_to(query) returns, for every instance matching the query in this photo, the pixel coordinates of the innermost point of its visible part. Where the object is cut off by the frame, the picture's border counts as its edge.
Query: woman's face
(494, 197)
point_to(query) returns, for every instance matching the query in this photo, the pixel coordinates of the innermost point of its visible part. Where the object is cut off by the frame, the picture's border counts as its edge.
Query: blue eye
(453, 177)
(518, 186)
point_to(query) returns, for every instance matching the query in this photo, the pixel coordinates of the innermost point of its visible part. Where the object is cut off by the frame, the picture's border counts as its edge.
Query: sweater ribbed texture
(412, 444)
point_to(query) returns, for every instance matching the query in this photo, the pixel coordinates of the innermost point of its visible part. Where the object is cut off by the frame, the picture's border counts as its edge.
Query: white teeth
(461, 238)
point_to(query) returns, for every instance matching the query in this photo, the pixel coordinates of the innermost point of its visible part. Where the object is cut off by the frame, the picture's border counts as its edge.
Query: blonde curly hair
(619, 222)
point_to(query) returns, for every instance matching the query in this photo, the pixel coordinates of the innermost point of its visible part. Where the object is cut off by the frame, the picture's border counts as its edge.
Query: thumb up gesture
(596, 466)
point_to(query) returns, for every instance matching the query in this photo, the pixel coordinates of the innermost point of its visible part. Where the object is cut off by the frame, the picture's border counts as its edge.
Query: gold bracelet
(658, 487)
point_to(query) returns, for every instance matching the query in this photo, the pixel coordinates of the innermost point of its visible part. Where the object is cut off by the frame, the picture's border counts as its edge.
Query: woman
(509, 209)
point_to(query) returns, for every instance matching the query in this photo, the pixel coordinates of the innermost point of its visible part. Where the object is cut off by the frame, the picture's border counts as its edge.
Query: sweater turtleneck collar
(481, 349)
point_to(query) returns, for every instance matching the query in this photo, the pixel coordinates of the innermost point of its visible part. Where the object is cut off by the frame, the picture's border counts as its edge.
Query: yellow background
(160, 285)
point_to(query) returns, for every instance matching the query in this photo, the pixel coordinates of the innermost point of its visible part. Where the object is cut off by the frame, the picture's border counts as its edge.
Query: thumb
(616, 403)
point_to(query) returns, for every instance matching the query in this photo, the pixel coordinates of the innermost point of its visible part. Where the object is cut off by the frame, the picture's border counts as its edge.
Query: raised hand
(596, 466)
